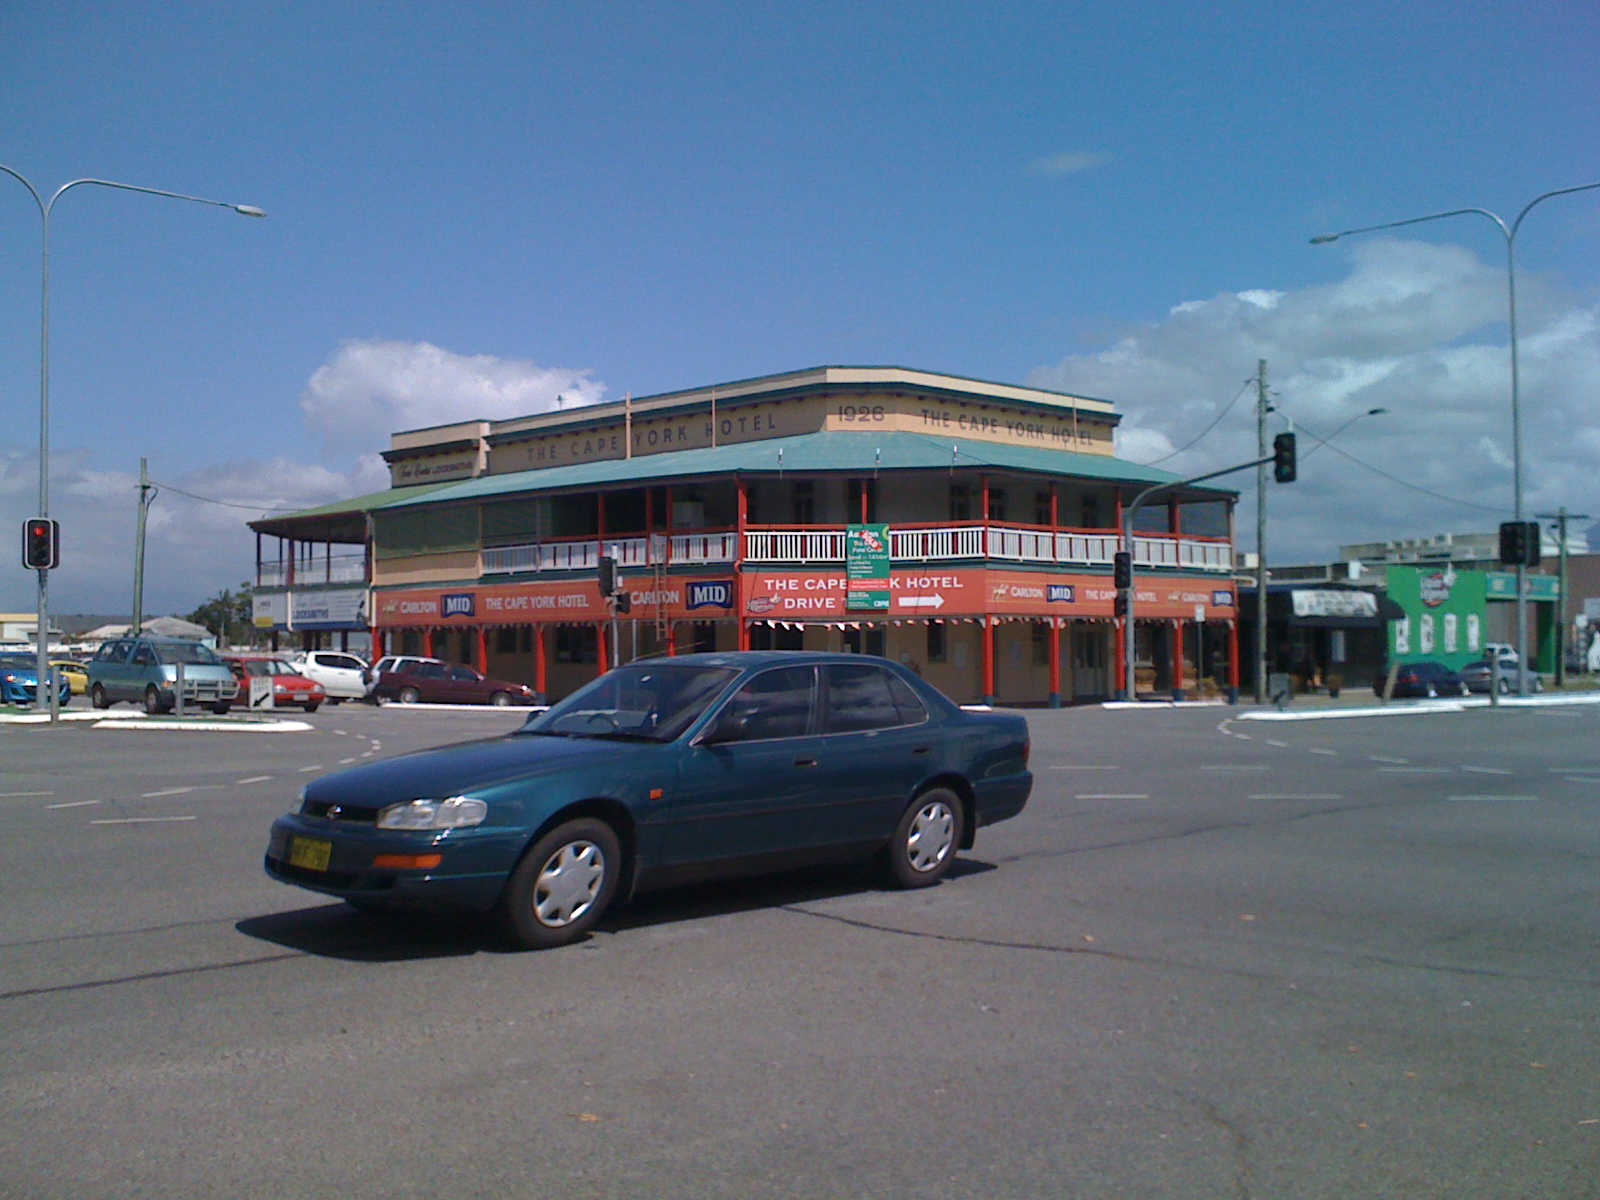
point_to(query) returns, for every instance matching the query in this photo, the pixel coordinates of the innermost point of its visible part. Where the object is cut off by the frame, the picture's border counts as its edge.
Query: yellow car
(75, 673)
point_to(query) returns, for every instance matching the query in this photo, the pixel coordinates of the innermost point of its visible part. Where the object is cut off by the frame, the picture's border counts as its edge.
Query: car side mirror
(729, 727)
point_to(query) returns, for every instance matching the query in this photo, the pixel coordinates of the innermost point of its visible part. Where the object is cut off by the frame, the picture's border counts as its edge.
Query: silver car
(147, 670)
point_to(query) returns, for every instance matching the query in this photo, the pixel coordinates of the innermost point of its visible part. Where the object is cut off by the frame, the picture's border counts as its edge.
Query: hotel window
(935, 642)
(805, 503)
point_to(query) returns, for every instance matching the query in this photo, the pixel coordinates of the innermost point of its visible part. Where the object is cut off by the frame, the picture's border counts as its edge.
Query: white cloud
(1415, 328)
(1072, 163)
(370, 389)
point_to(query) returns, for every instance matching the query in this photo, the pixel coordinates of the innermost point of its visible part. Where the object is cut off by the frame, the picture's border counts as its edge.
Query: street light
(1510, 233)
(45, 209)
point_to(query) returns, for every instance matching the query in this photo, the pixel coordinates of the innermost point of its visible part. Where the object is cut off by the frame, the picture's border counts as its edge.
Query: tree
(229, 615)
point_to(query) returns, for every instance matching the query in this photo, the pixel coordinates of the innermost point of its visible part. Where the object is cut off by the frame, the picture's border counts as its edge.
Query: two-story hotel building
(728, 509)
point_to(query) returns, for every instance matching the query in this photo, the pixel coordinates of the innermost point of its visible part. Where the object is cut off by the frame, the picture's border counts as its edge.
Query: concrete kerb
(1424, 707)
(98, 719)
(529, 709)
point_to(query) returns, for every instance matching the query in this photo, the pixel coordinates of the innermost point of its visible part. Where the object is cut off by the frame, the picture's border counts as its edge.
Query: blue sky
(472, 207)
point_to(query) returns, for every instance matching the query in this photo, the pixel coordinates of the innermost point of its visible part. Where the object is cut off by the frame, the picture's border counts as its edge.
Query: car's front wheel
(562, 885)
(221, 707)
(409, 695)
(152, 701)
(313, 706)
(926, 840)
(500, 699)
(98, 697)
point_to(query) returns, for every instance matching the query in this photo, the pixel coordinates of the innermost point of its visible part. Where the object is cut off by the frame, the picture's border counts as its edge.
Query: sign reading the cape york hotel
(523, 445)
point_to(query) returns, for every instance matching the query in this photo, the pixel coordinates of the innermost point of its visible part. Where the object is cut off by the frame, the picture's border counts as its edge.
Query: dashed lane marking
(1414, 770)
(137, 820)
(1112, 796)
(1234, 767)
(22, 795)
(1296, 796)
(1276, 742)
(314, 767)
(344, 761)
(73, 804)
(1486, 770)
(1082, 767)
(176, 791)
(1491, 799)
(252, 779)
(1320, 750)
(1381, 758)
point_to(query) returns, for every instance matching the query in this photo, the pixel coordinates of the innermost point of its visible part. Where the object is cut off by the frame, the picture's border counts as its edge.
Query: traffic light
(608, 576)
(1519, 544)
(624, 602)
(41, 544)
(1283, 465)
(1122, 569)
(1119, 606)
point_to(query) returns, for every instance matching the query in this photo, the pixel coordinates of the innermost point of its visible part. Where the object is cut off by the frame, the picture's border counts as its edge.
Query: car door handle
(921, 749)
(805, 762)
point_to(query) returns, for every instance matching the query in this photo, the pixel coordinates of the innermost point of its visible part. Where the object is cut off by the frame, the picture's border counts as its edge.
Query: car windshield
(16, 662)
(267, 666)
(186, 652)
(655, 702)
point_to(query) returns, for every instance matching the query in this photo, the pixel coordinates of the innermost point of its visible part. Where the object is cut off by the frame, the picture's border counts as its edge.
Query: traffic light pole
(1128, 594)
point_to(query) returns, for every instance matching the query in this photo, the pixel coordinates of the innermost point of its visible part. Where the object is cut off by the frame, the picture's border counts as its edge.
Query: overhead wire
(1214, 423)
(226, 503)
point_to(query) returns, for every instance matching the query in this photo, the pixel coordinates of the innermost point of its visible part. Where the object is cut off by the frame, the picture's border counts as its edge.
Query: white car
(341, 674)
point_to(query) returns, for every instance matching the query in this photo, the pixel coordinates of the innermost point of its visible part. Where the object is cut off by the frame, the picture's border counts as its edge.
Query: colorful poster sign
(866, 558)
(1445, 615)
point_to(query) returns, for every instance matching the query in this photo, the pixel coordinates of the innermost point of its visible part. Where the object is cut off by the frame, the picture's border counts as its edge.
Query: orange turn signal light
(656, 793)
(407, 862)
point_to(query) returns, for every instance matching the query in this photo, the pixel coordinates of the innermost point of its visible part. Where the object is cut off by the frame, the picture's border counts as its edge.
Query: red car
(432, 681)
(289, 687)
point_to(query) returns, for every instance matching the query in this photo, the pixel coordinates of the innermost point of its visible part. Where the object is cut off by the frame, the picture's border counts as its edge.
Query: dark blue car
(662, 772)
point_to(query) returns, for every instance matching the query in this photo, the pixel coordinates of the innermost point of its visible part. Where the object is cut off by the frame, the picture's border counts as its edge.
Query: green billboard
(1445, 619)
(866, 561)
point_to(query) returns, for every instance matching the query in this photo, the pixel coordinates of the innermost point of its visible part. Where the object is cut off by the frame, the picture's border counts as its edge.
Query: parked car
(430, 681)
(391, 662)
(659, 771)
(1476, 676)
(341, 674)
(1421, 679)
(76, 673)
(145, 670)
(289, 687)
(19, 680)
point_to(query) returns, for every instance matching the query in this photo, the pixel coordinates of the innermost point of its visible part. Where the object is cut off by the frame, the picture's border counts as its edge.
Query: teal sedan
(661, 772)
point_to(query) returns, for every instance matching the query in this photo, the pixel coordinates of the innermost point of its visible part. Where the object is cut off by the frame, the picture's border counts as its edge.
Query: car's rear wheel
(562, 885)
(409, 695)
(152, 701)
(1433, 691)
(926, 840)
(500, 699)
(98, 697)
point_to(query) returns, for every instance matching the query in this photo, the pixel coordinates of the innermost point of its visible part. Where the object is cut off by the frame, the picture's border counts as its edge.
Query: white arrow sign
(933, 601)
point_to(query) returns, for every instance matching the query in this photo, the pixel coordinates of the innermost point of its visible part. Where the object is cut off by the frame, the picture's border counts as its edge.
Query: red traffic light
(41, 544)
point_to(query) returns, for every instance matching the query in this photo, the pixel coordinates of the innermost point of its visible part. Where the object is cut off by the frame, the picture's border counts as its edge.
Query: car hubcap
(569, 883)
(932, 835)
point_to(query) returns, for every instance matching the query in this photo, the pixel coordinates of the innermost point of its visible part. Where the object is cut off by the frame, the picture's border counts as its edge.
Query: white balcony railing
(826, 547)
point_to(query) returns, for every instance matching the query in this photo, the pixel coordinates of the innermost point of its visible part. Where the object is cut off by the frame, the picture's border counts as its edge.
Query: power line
(1215, 421)
(1406, 483)
(226, 503)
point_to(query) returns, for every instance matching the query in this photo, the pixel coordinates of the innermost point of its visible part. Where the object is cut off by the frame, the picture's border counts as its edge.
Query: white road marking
(1486, 771)
(316, 767)
(343, 761)
(1491, 798)
(177, 791)
(1381, 758)
(1080, 767)
(1243, 737)
(1552, 770)
(1582, 779)
(1320, 750)
(1112, 796)
(1275, 742)
(73, 804)
(1233, 767)
(1293, 796)
(368, 753)
(253, 779)
(1414, 770)
(137, 820)
(21, 795)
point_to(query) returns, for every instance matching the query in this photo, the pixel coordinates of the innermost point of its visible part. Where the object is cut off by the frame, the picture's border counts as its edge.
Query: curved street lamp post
(45, 209)
(1510, 234)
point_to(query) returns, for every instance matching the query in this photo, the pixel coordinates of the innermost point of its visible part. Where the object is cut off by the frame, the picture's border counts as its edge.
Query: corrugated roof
(808, 452)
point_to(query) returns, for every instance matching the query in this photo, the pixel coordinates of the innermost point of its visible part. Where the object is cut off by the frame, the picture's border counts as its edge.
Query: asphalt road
(1214, 958)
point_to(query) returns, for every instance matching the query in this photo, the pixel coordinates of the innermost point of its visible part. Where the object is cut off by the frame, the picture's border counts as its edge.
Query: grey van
(145, 670)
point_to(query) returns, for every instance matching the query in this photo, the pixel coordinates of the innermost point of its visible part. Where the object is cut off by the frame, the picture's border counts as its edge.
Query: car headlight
(458, 812)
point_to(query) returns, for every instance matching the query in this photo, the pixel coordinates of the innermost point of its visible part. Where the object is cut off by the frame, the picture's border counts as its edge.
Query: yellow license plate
(309, 853)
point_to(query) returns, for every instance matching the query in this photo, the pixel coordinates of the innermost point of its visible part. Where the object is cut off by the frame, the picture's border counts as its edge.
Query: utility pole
(147, 496)
(1561, 516)
(1262, 409)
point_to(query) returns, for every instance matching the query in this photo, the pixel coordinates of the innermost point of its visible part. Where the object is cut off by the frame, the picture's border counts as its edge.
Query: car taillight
(1027, 749)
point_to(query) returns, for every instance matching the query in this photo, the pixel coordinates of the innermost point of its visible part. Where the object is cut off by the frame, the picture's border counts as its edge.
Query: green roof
(803, 453)
(337, 522)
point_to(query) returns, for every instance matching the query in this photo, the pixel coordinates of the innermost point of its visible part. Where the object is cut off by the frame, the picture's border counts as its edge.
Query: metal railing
(826, 547)
(341, 568)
